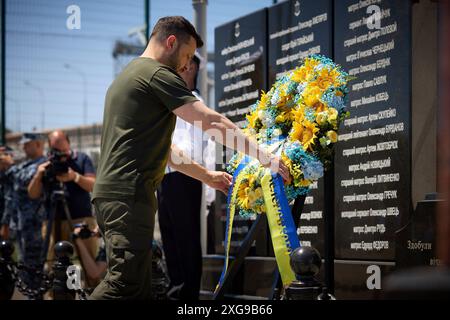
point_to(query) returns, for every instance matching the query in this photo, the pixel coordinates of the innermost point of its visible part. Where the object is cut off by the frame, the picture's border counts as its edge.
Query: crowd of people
(152, 96)
(29, 206)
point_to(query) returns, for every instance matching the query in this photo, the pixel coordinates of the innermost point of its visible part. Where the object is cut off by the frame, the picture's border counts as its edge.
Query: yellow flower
(320, 107)
(242, 195)
(282, 117)
(282, 102)
(287, 161)
(297, 115)
(332, 114)
(306, 72)
(294, 169)
(325, 79)
(252, 118)
(251, 179)
(322, 118)
(305, 183)
(332, 136)
(258, 192)
(297, 131)
(309, 66)
(311, 95)
(299, 75)
(260, 209)
(264, 100)
(334, 74)
(242, 187)
(308, 134)
(254, 195)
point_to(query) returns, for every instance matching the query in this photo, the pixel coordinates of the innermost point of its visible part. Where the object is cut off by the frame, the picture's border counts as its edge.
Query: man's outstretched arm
(215, 179)
(227, 133)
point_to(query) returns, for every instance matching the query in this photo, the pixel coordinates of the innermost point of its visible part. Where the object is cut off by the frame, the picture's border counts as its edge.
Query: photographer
(94, 268)
(76, 171)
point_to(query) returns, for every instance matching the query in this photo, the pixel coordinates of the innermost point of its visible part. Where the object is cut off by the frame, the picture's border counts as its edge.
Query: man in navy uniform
(23, 214)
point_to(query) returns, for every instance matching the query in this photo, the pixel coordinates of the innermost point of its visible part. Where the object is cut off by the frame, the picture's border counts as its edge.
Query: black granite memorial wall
(373, 155)
(240, 75)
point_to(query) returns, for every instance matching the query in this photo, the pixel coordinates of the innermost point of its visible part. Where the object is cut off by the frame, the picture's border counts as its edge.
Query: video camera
(85, 232)
(58, 165)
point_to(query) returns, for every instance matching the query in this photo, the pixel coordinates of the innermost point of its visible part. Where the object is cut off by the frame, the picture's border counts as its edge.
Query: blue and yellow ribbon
(281, 224)
(231, 209)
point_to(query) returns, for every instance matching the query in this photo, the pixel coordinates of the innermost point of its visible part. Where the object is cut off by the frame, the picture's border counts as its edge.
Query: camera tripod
(56, 197)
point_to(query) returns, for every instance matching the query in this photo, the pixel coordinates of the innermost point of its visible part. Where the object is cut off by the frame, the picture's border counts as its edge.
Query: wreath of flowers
(303, 110)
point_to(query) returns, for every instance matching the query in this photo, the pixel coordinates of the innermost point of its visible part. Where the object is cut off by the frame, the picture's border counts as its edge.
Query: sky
(53, 72)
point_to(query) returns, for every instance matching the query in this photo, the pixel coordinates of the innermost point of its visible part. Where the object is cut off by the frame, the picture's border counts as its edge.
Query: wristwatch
(77, 177)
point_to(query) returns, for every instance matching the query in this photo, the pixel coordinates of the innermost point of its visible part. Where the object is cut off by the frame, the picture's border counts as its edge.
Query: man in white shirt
(179, 203)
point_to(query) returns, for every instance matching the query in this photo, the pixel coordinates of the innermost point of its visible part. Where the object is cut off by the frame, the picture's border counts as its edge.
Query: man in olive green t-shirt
(141, 106)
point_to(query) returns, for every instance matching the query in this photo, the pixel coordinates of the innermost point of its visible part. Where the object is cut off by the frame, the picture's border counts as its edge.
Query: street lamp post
(200, 15)
(83, 77)
(41, 92)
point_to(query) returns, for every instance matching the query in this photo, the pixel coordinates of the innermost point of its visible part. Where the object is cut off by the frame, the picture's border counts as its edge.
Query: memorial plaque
(373, 155)
(416, 241)
(240, 75)
(240, 65)
(297, 29)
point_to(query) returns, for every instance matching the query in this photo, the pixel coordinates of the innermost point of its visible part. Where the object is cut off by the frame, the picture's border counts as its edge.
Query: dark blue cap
(31, 136)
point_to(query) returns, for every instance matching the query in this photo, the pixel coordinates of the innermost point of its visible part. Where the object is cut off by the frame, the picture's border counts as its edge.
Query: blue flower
(311, 166)
(309, 113)
(312, 170)
(300, 88)
(292, 86)
(323, 60)
(293, 192)
(246, 214)
(233, 163)
(275, 97)
(332, 100)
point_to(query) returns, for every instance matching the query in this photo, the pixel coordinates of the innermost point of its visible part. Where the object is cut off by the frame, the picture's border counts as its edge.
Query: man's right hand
(4, 232)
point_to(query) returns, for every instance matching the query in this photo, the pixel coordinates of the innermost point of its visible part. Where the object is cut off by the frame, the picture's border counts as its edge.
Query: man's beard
(173, 60)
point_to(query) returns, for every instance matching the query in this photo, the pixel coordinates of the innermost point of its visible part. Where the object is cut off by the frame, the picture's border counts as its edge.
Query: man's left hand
(67, 177)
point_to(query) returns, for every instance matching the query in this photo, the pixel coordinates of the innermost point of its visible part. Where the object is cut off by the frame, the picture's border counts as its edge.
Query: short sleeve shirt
(78, 199)
(138, 123)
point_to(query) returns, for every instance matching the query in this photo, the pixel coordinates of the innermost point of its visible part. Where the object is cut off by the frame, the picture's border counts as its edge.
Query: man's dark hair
(179, 27)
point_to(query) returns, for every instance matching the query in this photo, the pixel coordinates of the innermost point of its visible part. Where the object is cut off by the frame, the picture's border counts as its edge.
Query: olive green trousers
(127, 227)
